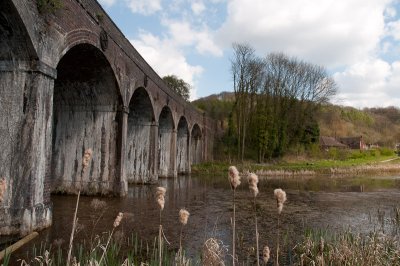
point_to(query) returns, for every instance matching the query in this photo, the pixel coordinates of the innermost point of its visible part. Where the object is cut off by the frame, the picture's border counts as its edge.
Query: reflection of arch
(140, 138)
(165, 143)
(196, 144)
(182, 146)
(86, 122)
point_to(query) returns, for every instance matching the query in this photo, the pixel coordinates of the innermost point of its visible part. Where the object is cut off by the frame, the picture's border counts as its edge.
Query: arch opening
(182, 147)
(87, 123)
(196, 145)
(141, 138)
(165, 143)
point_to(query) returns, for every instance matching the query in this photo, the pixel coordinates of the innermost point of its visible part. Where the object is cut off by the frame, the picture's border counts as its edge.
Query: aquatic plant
(234, 179)
(117, 221)
(280, 197)
(253, 181)
(213, 252)
(183, 219)
(160, 198)
(266, 254)
(347, 248)
(3, 187)
(74, 223)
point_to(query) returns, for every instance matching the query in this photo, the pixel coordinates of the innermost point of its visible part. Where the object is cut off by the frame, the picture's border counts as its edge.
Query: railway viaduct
(81, 110)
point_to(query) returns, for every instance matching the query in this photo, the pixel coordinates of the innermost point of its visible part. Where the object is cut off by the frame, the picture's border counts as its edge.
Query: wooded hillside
(378, 125)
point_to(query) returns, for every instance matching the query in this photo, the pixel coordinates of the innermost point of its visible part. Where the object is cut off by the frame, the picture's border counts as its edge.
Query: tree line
(276, 101)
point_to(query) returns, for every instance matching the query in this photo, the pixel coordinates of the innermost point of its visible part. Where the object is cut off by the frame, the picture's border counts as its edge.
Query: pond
(359, 204)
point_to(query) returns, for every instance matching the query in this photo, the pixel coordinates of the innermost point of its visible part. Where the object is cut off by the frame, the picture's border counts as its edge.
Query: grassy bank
(345, 162)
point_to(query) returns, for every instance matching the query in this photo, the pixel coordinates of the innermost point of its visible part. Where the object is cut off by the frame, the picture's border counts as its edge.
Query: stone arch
(15, 41)
(182, 147)
(140, 163)
(166, 144)
(87, 123)
(196, 145)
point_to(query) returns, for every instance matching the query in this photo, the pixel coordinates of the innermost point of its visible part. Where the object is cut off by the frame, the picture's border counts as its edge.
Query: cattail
(280, 197)
(86, 158)
(160, 196)
(3, 187)
(118, 219)
(266, 254)
(253, 181)
(234, 177)
(183, 216)
(321, 245)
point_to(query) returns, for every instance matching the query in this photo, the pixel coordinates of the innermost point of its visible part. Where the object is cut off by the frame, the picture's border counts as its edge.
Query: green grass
(318, 165)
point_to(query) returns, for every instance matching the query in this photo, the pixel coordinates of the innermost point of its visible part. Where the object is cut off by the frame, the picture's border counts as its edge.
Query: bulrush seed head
(234, 177)
(280, 197)
(86, 158)
(253, 181)
(266, 255)
(183, 216)
(3, 187)
(118, 219)
(160, 196)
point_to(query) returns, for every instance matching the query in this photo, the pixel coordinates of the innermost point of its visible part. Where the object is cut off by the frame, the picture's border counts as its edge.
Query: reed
(253, 181)
(117, 221)
(74, 223)
(280, 197)
(234, 179)
(160, 198)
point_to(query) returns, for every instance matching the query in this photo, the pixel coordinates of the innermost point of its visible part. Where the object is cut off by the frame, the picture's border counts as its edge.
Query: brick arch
(79, 36)
(87, 122)
(15, 41)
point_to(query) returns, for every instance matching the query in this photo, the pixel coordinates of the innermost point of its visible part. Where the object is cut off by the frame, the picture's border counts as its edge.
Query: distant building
(354, 142)
(330, 142)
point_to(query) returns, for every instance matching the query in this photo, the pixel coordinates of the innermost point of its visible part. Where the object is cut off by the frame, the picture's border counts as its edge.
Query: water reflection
(318, 202)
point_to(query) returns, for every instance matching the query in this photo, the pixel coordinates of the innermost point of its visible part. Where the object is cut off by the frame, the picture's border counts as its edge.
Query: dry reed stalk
(74, 222)
(280, 197)
(160, 198)
(117, 221)
(213, 253)
(253, 181)
(234, 179)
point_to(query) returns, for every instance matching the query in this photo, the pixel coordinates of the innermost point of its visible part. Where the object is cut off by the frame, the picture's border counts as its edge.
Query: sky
(357, 41)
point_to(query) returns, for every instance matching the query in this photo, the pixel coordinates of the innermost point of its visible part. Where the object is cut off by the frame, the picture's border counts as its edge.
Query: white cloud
(198, 7)
(146, 7)
(328, 32)
(394, 29)
(183, 34)
(372, 82)
(167, 59)
(107, 3)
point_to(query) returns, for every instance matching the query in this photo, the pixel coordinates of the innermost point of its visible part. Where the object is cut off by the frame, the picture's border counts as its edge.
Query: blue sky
(357, 41)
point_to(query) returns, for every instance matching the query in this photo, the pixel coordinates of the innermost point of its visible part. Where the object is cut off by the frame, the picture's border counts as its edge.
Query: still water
(328, 203)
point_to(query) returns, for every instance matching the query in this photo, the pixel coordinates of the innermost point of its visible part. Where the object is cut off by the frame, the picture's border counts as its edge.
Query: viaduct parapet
(81, 110)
